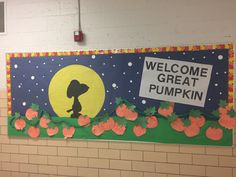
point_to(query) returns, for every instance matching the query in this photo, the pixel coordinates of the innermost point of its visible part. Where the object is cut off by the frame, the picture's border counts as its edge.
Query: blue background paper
(121, 74)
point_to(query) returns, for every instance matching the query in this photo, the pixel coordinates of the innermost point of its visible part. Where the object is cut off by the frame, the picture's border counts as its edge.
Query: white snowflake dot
(37, 96)
(42, 90)
(143, 101)
(19, 86)
(217, 73)
(76, 59)
(45, 104)
(61, 58)
(220, 93)
(169, 57)
(124, 73)
(193, 58)
(52, 59)
(103, 64)
(111, 57)
(130, 64)
(29, 90)
(184, 53)
(209, 99)
(15, 66)
(216, 84)
(110, 103)
(13, 99)
(32, 77)
(29, 61)
(114, 85)
(44, 63)
(37, 66)
(14, 76)
(220, 57)
(24, 103)
(50, 71)
(213, 52)
(103, 74)
(93, 56)
(204, 57)
(140, 57)
(129, 91)
(137, 72)
(114, 66)
(36, 84)
(107, 91)
(104, 109)
(134, 98)
(131, 81)
(225, 72)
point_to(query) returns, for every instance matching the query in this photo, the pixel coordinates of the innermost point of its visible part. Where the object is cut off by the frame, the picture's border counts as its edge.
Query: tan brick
(4, 139)
(109, 153)
(99, 163)
(67, 151)
(193, 149)
(87, 152)
(131, 174)
(179, 158)
(5, 157)
(28, 168)
(3, 130)
(155, 156)
(3, 93)
(205, 160)
(167, 147)
(120, 164)
(39, 142)
(10, 148)
(10, 166)
(97, 144)
(38, 159)
(77, 162)
(19, 174)
(149, 174)
(47, 169)
(3, 112)
(3, 103)
(87, 172)
(143, 146)
(76, 143)
(234, 172)
(68, 171)
(218, 171)
(180, 176)
(192, 170)
(120, 145)
(131, 155)
(109, 173)
(19, 158)
(18, 141)
(47, 150)
(3, 121)
(227, 161)
(37, 175)
(25, 149)
(5, 173)
(54, 160)
(219, 150)
(143, 166)
(56, 142)
(167, 168)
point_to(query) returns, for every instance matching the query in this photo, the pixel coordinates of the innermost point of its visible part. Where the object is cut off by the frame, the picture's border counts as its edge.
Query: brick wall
(48, 25)
(52, 157)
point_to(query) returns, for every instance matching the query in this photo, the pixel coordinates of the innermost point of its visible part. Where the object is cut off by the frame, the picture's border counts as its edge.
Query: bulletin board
(174, 95)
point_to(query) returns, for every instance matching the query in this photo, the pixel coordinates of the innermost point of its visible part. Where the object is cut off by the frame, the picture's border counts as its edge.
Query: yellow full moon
(90, 101)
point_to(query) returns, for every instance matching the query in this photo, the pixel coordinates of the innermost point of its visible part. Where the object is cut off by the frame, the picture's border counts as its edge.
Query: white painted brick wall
(48, 25)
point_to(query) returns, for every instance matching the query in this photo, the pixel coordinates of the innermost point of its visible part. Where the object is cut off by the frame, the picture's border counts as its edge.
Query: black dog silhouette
(75, 89)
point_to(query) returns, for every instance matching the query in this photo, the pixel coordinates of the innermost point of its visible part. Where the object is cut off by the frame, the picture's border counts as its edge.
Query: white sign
(175, 81)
